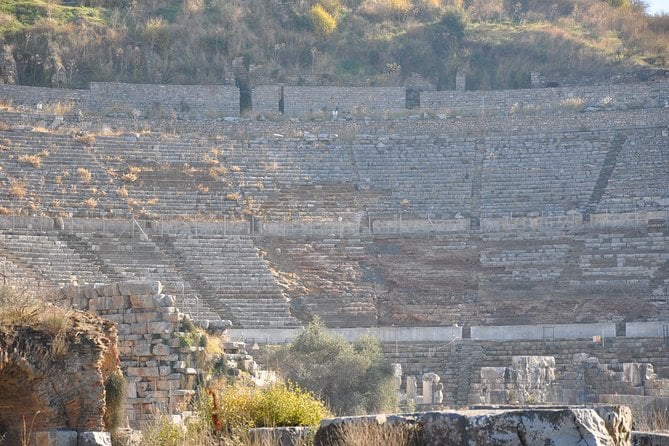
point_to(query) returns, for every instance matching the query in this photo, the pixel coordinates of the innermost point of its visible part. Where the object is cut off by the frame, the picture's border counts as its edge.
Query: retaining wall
(164, 100)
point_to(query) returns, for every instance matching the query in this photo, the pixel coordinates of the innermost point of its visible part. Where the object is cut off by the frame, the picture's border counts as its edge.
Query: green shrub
(239, 407)
(323, 22)
(114, 398)
(316, 359)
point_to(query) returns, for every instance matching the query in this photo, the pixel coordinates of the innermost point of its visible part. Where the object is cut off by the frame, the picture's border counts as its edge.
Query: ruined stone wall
(164, 100)
(19, 95)
(55, 380)
(357, 101)
(621, 96)
(459, 363)
(159, 367)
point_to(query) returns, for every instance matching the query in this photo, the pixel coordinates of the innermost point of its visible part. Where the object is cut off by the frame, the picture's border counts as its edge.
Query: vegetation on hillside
(71, 42)
(316, 360)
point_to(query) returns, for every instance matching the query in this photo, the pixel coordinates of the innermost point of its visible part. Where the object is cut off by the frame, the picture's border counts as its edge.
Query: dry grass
(576, 104)
(17, 189)
(84, 174)
(5, 211)
(232, 196)
(31, 160)
(85, 139)
(132, 175)
(58, 108)
(91, 202)
(122, 192)
(217, 171)
(203, 188)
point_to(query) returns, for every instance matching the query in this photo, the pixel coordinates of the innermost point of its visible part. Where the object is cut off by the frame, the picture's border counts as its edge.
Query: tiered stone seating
(640, 179)
(240, 279)
(50, 257)
(331, 280)
(623, 261)
(551, 174)
(310, 175)
(131, 258)
(55, 185)
(172, 176)
(419, 175)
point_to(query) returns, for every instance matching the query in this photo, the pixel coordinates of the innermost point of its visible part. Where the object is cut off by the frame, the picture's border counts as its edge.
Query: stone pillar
(460, 80)
(535, 79)
(412, 389)
(429, 387)
(437, 393)
(397, 375)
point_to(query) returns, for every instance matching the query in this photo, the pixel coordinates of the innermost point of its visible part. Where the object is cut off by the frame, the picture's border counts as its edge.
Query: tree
(352, 378)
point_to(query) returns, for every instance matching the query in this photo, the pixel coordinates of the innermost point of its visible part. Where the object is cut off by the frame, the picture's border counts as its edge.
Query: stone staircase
(240, 279)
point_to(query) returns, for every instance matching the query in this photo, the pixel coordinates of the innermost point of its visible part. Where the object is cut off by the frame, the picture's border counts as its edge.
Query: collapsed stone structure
(160, 357)
(55, 381)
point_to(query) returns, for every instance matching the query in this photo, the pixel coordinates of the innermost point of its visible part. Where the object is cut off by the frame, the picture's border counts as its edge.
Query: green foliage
(324, 23)
(114, 398)
(168, 41)
(316, 359)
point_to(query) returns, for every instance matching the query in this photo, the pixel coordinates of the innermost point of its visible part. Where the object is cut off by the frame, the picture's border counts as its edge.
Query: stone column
(535, 79)
(460, 80)
(429, 381)
(412, 389)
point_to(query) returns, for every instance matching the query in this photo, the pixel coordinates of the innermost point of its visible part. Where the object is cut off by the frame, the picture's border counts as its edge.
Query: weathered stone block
(161, 350)
(56, 438)
(140, 287)
(94, 439)
(107, 289)
(143, 301)
(527, 426)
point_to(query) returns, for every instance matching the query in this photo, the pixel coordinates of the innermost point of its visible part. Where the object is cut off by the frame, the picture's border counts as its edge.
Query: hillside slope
(69, 43)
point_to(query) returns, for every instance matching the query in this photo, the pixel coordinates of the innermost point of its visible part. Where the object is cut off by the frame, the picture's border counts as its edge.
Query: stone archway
(55, 382)
(22, 411)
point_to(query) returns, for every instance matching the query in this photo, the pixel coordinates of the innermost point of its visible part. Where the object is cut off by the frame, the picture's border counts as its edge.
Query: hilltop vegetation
(498, 42)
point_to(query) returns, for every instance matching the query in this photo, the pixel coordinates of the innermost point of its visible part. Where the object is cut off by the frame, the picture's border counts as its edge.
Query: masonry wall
(459, 363)
(50, 381)
(164, 100)
(159, 368)
(31, 96)
(302, 101)
(621, 96)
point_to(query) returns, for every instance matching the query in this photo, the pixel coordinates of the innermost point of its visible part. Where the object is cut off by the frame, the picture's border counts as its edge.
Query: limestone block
(160, 327)
(107, 289)
(140, 287)
(166, 301)
(143, 372)
(90, 292)
(94, 439)
(147, 316)
(143, 301)
(530, 426)
(387, 430)
(161, 350)
(56, 438)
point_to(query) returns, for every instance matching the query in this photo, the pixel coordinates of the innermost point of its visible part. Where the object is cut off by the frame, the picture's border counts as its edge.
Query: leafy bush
(316, 359)
(323, 22)
(114, 397)
(235, 408)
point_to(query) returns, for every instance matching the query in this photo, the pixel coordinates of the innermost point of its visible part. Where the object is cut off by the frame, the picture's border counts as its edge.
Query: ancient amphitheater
(466, 230)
